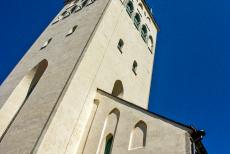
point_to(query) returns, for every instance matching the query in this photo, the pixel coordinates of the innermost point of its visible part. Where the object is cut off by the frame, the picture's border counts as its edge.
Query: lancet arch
(138, 136)
(19, 96)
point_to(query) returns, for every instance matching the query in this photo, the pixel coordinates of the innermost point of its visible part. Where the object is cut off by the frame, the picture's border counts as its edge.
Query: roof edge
(151, 14)
(186, 127)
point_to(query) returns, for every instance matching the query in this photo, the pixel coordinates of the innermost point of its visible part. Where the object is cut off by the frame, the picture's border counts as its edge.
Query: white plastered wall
(101, 66)
(163, 137)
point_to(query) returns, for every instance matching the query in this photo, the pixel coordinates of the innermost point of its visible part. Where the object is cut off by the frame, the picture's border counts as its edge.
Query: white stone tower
(70, 93)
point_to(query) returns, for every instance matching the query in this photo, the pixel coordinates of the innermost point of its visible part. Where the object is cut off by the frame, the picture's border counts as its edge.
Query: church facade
(83, 87)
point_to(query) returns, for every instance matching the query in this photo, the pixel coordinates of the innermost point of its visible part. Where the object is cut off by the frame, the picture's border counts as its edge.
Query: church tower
(72, 91)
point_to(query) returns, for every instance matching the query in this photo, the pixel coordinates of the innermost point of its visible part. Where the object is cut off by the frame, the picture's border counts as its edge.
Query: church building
(83, 87)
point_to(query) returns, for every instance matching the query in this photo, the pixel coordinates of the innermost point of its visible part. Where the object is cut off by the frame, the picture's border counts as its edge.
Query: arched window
(110, 128)
(120, 45)
(129, 8)
(46, 44)
(65, 14)
(135, 67)
(71, 31)
(118, 89)
(75, 9)
(144, 32)
(108, 144)
(138, 136)
(150, 44)
(137, 20)
(20, 95)
(72, 4)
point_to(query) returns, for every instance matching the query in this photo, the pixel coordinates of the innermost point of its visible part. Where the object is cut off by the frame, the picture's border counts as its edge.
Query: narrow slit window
(46, 44)
(134, 69)
(71, 31)
(120, 45)
(65, 14)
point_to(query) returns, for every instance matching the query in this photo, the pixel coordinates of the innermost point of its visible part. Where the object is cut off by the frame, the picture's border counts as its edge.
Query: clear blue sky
(191, 79)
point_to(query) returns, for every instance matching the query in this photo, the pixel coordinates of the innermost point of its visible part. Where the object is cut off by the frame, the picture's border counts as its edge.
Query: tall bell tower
(93, 50)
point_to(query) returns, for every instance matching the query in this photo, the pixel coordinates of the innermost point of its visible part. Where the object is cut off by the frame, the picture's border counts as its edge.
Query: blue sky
(192, 63)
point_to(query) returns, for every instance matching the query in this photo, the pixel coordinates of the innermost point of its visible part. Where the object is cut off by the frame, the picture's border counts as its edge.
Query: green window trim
(137, 21)
(129, 8)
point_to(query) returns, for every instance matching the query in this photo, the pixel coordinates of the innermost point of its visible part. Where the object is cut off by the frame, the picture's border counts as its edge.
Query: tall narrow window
(129, 8)
(46, 43)
(137, 20)
(108, 144)
(144, 33)
(118, 89)
(135, 67)
(110, 127)
(19, 96)
(120, 45)
(71, 31)
(138, 136)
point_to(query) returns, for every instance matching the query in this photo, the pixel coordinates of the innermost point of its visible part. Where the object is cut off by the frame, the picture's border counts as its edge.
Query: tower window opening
(75, 9)
(120, 45)
(71, 31)
(134, 69)
(72, 4)
(144, 33)
(108, 144)
(129, 8)
(46, 44)
(65, 14)
(137, 20)
(84, 3)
